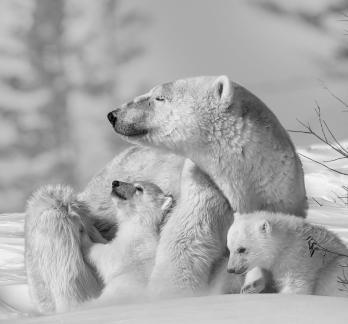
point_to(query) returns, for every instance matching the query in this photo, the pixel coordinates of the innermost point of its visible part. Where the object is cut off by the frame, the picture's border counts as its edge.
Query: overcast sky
(275, 57)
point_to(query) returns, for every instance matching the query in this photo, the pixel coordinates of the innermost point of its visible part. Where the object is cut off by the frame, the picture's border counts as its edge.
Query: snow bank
(284, 309)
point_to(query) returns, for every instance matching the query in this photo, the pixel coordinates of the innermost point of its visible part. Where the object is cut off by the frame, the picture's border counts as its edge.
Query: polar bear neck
(238, 190)
(254, 167)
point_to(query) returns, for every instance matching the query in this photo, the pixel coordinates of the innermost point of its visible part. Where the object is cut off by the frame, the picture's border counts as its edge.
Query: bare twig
(317, 202)
(343, 150)
(323, 164)
(333, 160)
(325, 135)
(298, 131)
(320, 120)
(345, 104)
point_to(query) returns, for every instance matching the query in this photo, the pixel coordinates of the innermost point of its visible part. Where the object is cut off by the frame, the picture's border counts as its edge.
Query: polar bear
(227, 132)
(57, 274)
(242, 153)
(231, 136)
(301, 258)
(125, 263)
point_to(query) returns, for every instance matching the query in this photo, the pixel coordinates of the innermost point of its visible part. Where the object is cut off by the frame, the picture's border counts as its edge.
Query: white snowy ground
(323, 189)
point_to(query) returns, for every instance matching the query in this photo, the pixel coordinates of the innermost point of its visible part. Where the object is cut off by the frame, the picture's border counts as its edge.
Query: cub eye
(241, 250)
(160, 98)
(139, 188)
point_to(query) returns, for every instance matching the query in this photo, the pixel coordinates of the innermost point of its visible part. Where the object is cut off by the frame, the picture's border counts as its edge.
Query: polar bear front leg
(293, 284)
(183, 261)
(193, 239)
(255, 281)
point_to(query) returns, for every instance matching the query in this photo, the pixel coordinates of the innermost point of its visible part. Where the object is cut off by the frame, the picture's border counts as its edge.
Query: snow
(320, 182)
(285, 309)
(325, 209)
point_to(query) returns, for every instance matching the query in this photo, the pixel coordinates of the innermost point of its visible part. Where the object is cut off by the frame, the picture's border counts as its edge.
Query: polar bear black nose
(231, 270)
(115, 184)
(112, 118)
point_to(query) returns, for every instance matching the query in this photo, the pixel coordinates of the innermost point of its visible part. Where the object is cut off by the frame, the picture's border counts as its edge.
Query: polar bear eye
(139, 188)
(241, 250)
(160, 98)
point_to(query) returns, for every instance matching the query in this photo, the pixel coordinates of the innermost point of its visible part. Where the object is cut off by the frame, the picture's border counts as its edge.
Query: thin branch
(333, 160)
(317, 202)
(324, 165)
(325, 135)
(345, 152)
(318, 111)
(308, 130)
(298, 131)
(335, 96)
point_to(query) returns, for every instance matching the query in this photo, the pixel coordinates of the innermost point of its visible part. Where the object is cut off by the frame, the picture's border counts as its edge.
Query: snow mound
(253, 309)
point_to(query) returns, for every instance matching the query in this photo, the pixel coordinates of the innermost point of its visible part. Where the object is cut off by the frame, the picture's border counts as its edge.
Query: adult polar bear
(231, 136)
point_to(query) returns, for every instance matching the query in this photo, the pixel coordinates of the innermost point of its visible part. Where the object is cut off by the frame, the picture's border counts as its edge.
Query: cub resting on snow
(299, 257)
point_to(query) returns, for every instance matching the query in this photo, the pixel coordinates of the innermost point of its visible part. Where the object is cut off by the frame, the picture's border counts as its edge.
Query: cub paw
(254, 287)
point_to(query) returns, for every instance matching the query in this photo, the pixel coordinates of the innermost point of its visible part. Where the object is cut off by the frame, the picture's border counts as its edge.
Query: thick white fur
(197, 199)
(254, 281)
(228, 133)
(58, 276)
(195, 236)
(125, 263)
(243, 154)
(232, 137)
(279, 244)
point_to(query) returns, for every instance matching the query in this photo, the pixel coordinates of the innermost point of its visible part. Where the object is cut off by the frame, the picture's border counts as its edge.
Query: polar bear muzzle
(123, 190)
(129, 129)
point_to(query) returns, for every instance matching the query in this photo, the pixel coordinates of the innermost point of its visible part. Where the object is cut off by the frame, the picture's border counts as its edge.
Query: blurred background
(65, 63)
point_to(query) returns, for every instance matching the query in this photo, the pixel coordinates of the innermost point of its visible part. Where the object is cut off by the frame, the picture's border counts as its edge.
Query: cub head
(178, 115)
(142, 200)
(253, 242)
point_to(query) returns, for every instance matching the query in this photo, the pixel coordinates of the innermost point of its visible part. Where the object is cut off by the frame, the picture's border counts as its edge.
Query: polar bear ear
(167, 204)
(223, 88)
(266, 227)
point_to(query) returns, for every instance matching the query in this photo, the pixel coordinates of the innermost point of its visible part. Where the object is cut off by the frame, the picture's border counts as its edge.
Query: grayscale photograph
(174, 162)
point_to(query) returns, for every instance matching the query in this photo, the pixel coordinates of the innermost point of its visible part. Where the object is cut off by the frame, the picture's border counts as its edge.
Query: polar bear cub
(301, 258)
(125, 263)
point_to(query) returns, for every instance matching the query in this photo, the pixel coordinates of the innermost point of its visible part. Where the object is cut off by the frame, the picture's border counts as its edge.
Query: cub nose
(115, 184)
(112, 118)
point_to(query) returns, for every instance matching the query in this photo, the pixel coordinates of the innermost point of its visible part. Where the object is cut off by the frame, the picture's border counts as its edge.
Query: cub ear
(223, 89)
(266, 227)
(167, 203)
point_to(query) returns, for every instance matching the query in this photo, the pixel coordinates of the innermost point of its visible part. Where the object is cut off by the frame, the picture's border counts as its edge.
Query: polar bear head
(253, 241)
(185, 114)
(141, 201)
